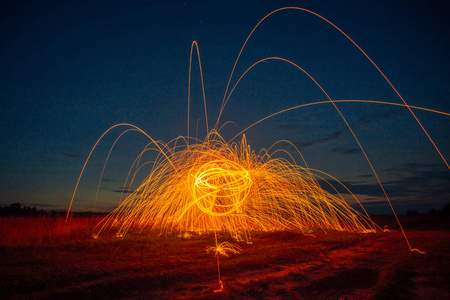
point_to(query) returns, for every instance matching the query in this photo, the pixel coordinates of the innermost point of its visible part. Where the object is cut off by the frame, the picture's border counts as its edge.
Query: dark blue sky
(72, 69)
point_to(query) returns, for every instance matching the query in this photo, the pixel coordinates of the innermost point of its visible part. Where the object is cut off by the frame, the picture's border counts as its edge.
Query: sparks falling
(213, 185)
(216, 186)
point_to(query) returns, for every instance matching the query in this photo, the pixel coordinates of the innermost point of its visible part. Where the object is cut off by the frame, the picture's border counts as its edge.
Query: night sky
(72, 69)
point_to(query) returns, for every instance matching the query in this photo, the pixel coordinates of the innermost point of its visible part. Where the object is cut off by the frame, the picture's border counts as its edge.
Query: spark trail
(213, 185)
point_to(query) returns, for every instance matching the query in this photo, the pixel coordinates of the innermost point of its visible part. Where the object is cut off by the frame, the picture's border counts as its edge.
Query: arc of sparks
(356, 45)
(217, 185)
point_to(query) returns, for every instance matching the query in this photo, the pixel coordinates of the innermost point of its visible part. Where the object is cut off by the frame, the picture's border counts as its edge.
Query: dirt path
(276, 266)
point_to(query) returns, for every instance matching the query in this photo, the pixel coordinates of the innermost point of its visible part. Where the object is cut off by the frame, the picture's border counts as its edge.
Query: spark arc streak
(213, 185)
(220, 187)
(216, 186)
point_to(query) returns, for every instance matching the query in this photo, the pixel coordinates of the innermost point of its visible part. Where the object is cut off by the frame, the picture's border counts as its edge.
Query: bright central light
(214, 185)
(220, 187)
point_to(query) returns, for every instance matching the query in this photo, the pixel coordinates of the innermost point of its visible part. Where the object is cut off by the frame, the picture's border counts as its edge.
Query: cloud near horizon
(413, 183)
(363, 122)
(72, 156)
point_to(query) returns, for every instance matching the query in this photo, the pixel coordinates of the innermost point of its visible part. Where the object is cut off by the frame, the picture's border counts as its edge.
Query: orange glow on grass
(213, 185)
(216, 186)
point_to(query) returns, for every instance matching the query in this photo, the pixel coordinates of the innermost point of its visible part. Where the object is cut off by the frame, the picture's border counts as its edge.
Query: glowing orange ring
(220, 187)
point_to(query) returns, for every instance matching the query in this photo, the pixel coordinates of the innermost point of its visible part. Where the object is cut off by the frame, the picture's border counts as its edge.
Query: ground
(280, 265)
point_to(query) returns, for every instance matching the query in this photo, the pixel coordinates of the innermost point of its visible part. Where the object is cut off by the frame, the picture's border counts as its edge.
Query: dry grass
(66, 262)
(42, 230)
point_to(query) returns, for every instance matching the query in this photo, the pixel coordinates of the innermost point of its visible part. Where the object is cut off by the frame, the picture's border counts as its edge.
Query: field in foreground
(70, 264)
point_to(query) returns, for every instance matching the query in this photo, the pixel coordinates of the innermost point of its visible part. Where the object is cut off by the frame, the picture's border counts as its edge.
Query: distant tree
(446, 210)
(412, 213)
(16, 209)
(433, 212)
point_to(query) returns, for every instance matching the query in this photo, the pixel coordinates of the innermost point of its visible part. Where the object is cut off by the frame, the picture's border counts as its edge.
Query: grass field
(45, 257)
